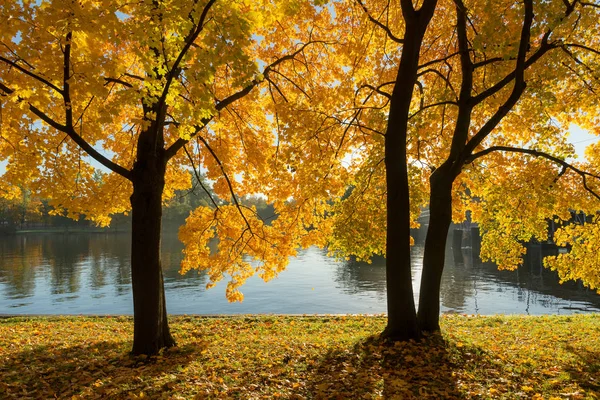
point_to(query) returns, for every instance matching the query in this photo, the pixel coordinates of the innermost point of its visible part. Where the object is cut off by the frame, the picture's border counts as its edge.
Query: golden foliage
(583, 259)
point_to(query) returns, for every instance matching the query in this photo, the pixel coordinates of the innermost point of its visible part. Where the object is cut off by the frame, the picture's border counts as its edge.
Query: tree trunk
(440, 217)
(151, 330)
(402, 317)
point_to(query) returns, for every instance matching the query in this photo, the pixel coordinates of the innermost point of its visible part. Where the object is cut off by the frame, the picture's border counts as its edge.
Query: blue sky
(580, 139)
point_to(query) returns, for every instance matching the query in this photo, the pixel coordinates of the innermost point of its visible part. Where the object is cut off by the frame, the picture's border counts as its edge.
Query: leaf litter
(308, 357)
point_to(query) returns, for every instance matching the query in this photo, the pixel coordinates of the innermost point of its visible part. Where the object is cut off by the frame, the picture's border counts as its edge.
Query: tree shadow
(351, 372)
(407, 370)
(586, 372)
(101, 370)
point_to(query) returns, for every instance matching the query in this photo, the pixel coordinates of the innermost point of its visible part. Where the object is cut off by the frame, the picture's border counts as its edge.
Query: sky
(581, 138)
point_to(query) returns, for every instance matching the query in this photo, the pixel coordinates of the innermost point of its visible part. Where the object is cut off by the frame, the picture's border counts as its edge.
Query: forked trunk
(402, 316)
(440, 217)
(151, 329)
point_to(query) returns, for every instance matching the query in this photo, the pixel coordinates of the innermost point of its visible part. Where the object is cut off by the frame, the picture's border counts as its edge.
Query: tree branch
(491, 61)
(425, 107)
(31, 74)
(377, 90)
(543, 49)
(438, 60)
(463, 120)
(66, 86)
(119, 81)
(212, 200)
(536, 153)
(292, 82)
(407, 9)
(585, 3)
(438, 73)
(276, 88)
(39, 113)
(387, 30)
(179, 143)
(518, 88)
(189, 40)
(85, 146)
(583, 47)
(229, 185)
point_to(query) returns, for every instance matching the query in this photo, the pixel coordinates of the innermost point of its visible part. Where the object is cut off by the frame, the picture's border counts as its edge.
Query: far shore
(64, 230)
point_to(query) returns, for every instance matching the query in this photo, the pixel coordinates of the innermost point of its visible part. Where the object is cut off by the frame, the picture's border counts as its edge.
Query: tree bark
(440, 217)
(402, 316)
(151, 329)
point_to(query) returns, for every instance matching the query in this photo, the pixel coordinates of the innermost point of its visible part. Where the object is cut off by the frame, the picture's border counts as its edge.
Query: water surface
(90, 274)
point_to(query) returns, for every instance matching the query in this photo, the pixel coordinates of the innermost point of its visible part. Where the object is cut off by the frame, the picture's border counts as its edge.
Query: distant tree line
(28, 212)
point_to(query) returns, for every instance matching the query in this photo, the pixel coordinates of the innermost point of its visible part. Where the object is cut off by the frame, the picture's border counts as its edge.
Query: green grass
(264, 357)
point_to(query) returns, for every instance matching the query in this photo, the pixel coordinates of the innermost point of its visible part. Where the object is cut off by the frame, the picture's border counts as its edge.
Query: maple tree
(149, 90)
(468, 105)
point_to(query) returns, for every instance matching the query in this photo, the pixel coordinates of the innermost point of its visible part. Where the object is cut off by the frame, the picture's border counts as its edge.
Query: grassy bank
(303, 357)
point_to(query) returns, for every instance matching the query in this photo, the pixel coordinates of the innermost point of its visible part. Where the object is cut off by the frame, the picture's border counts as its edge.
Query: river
(89, 273)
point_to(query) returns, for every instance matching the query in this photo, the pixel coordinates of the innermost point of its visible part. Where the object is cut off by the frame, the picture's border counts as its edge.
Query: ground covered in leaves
(266, 357)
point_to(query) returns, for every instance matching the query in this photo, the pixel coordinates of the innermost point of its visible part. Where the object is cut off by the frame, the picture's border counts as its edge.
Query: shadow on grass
(413, 370)
(587, 372)
(101, 370)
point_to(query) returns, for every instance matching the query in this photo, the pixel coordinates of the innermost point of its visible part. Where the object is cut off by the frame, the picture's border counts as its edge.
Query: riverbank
(60, 230)
(69, 230)
(248, 357)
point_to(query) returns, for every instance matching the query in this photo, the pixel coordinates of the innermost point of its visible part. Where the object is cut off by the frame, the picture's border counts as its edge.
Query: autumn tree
(385, 42)
(516, 99)
(148, 91)
(467, 104)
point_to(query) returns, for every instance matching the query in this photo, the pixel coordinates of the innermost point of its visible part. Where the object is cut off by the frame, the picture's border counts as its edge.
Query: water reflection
(16, 261)
(51, 270)
(470, 286)
(356, 277)
(90, 274)
(171, 259)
